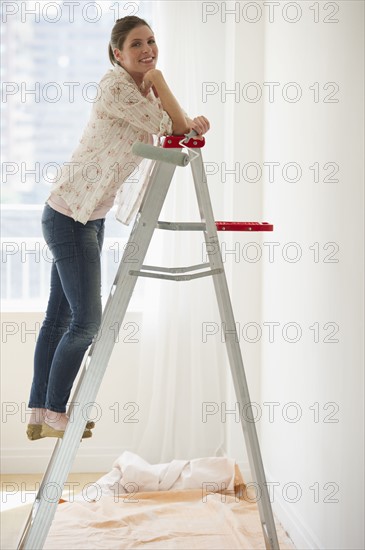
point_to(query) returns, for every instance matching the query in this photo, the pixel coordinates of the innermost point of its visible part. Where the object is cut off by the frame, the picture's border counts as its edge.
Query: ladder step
(221, 226)
(244, 226)
(159, 272)
(175, 269)
(181, 226)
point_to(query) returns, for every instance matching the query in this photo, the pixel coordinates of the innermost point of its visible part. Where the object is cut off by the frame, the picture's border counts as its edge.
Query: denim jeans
(74, 308)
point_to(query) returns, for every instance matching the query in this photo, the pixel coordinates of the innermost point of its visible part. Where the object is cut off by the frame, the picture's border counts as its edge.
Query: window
(44, 49)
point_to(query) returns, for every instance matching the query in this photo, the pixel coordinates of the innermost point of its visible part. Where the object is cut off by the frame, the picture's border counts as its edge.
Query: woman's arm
(179, 124)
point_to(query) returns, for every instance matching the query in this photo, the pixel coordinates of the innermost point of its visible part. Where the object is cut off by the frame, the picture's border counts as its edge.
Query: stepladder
(172, 152)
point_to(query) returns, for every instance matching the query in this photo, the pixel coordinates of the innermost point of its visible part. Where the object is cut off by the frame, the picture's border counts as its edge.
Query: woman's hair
(120, 31)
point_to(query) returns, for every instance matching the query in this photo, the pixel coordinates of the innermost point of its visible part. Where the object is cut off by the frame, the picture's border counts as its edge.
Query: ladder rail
(234, 352)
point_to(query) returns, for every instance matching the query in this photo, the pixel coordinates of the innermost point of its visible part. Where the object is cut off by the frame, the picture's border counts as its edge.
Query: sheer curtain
(182, 374)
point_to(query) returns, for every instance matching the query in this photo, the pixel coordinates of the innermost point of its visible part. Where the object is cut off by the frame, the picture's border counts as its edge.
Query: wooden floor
(17, 498)
(30, 481)
(18, 492)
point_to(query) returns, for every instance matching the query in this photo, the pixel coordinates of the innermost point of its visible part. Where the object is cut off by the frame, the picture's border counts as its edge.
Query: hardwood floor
(30, 480)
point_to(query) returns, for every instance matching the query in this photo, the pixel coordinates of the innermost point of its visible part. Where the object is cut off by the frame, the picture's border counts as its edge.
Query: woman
(134, 103)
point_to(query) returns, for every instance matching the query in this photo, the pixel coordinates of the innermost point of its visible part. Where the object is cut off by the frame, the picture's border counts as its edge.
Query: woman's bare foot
(56, 420)
(37, 416)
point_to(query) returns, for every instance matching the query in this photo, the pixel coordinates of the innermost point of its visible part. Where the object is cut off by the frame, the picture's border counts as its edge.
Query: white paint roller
(172, 156)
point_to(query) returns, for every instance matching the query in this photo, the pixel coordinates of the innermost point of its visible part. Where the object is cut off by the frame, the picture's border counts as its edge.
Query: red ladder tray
(244, 226)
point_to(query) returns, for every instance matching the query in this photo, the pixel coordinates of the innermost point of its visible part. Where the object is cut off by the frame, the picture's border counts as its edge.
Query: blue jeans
(74, 310)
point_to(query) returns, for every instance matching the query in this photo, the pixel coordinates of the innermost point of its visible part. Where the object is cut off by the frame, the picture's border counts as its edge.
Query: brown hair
(120, 31)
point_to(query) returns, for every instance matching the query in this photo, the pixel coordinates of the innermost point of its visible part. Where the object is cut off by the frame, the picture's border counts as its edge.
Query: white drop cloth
(132, 473)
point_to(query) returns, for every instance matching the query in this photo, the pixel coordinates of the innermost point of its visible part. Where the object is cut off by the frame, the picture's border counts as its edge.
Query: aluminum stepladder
(167, 158)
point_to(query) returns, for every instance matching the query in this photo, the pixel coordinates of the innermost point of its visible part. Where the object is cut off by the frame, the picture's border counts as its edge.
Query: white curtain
(182, 375)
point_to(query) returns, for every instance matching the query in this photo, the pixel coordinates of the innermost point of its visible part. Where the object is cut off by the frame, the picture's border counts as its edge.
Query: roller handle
(166, 155)
(158, 153)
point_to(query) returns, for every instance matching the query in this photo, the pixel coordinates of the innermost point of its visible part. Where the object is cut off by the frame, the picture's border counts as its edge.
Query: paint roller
(171, 156)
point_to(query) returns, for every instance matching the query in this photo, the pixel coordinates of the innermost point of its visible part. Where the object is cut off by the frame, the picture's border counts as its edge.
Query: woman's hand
(147, 82)
(200, 124)
(151, 75)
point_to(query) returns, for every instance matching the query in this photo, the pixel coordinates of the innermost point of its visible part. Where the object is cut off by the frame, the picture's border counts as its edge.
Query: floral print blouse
(103, 160)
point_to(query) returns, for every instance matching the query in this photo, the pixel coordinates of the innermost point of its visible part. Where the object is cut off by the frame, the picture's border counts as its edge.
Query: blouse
(103, 161)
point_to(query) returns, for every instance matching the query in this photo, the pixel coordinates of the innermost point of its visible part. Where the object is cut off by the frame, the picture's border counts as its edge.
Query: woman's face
(139, 53)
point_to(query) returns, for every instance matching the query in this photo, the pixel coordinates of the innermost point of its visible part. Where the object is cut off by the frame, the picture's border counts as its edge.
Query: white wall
(321, 459)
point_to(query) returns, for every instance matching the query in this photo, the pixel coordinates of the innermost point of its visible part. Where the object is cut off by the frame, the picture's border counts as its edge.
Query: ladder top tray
(173, 142)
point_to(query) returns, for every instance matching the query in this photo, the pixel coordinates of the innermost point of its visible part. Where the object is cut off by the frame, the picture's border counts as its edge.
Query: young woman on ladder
(134, 103)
